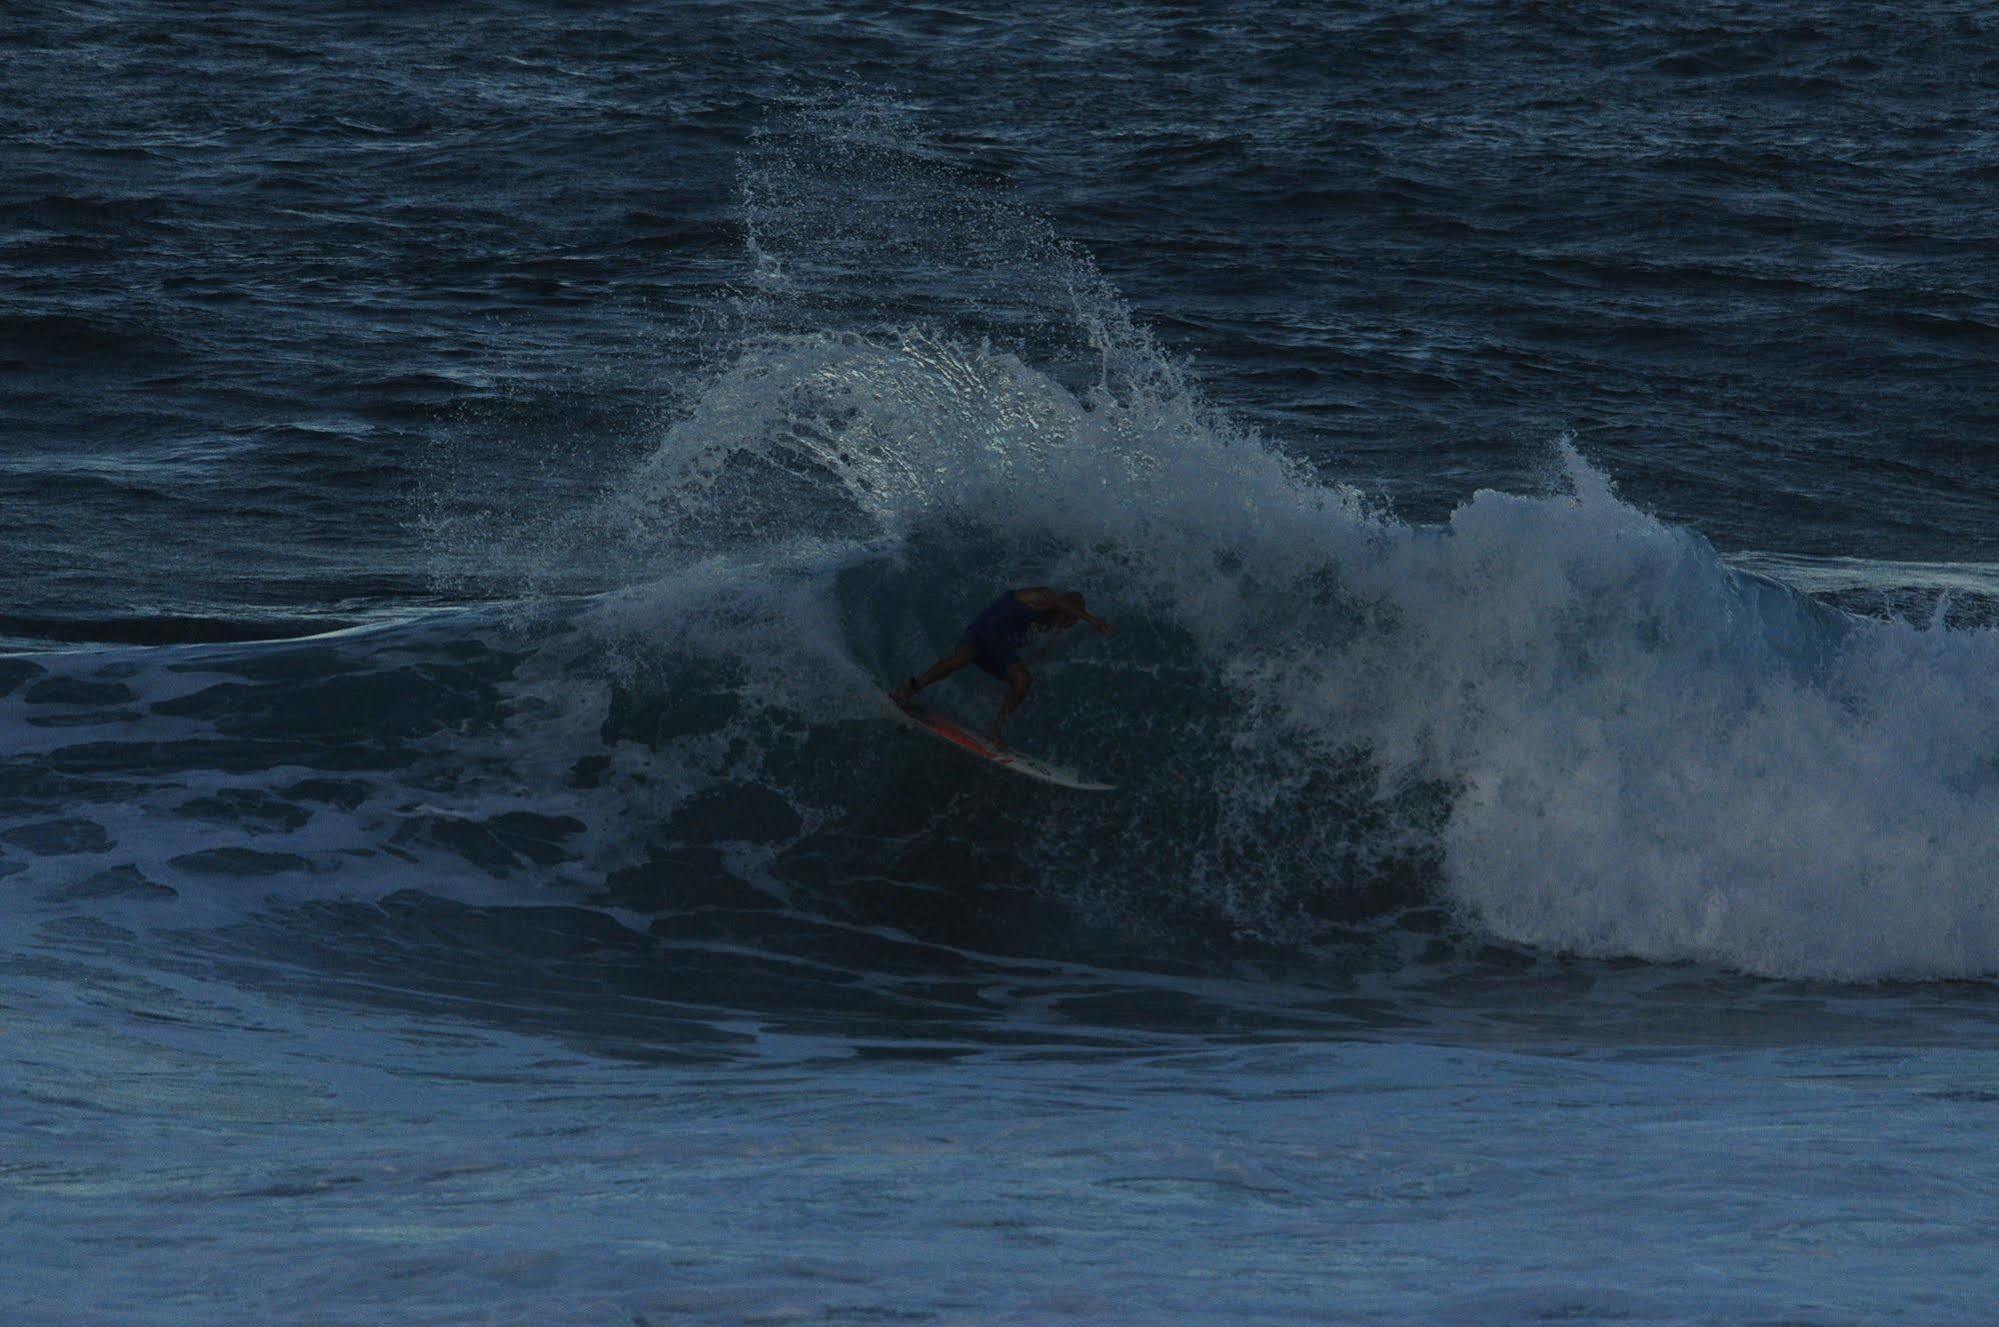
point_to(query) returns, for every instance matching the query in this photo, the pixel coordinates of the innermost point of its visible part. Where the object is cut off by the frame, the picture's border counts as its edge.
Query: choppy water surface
(464, 475)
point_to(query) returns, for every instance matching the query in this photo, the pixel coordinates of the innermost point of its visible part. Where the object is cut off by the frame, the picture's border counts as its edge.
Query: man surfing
(995, 638)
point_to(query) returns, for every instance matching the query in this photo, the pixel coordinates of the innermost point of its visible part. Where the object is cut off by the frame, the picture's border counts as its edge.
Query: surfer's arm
(1044, 600)
(1083, 615)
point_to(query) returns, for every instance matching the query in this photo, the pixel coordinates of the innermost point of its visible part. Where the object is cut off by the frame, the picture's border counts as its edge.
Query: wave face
(1568, 724)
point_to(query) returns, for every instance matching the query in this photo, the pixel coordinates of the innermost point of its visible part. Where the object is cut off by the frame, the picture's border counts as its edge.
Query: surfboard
(950, 730)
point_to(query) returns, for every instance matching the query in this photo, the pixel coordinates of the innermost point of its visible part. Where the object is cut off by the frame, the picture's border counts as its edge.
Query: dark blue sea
(467, 471)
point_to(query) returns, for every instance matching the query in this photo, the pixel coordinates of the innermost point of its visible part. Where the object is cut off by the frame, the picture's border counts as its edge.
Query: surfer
(994, 640)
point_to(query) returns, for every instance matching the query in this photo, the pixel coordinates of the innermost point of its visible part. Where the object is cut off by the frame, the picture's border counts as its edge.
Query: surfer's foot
(905, 691)
(999, 743)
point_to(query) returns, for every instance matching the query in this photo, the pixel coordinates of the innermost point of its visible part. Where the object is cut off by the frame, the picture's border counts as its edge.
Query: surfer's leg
(1018, 683)
(940, 670)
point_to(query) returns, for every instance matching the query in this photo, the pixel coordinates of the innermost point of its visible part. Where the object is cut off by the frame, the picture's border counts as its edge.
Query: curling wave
(1573, 725)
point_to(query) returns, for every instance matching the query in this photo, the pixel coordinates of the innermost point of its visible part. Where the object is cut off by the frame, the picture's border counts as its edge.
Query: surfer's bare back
(995, 638)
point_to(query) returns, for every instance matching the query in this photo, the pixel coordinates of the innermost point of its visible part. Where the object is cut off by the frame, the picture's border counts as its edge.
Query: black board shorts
(998, 632)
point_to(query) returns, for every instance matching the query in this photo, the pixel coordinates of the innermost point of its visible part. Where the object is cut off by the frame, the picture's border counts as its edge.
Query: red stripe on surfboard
(951, 732)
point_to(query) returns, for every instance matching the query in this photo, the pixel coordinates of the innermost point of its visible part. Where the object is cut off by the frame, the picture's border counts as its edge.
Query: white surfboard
(950, 730)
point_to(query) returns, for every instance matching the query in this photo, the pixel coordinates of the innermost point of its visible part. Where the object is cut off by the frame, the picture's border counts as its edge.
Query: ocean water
(465, 472)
